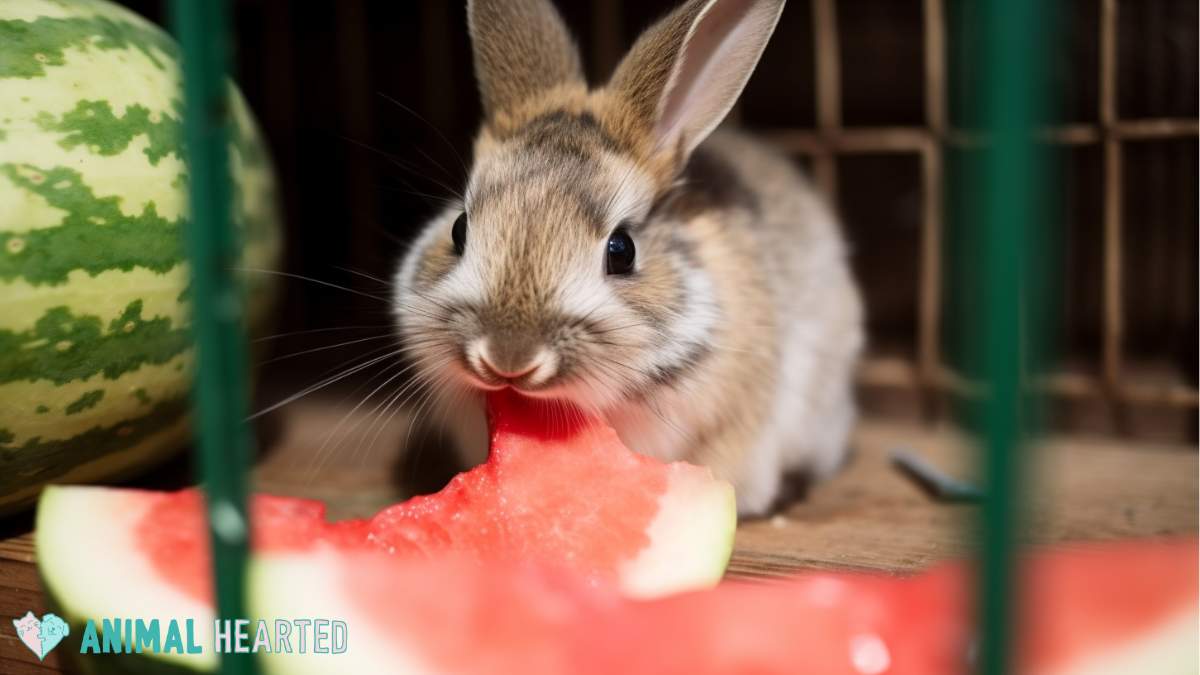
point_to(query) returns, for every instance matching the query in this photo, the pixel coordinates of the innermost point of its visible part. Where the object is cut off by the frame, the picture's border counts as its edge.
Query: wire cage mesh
(1108, 372)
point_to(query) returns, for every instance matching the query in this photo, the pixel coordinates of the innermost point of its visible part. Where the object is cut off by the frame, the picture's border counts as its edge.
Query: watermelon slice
(1129, 608)
(558, 487)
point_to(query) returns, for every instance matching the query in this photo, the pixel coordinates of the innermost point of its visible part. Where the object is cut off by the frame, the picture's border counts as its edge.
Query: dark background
(370, 107)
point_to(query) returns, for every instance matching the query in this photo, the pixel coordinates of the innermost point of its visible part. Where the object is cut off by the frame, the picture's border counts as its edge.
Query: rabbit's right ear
(522, 50)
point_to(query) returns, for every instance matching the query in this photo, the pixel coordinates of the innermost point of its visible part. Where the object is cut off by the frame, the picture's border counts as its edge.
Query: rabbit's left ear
(522, 49)
(684, 74)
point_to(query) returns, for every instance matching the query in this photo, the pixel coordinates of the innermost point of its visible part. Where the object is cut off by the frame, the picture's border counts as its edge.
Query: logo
(187, 636)
(41, 635)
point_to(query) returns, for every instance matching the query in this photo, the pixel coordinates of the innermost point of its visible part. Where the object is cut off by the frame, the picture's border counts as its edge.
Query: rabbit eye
(620, 252)
(459, 234)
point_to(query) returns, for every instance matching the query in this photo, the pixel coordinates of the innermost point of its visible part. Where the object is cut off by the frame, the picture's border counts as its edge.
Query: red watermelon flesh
(173, 536)
(1126, 608)
(558, 487)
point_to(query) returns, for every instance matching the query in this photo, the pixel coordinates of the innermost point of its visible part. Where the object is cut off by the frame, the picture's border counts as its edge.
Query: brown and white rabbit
(613, 251)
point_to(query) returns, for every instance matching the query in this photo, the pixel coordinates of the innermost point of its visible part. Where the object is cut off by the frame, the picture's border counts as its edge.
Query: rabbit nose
(513, 360)
(509, 356)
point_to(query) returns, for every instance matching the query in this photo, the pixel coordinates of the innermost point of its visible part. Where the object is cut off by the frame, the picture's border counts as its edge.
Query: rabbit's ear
(684, 74)
(522, 49)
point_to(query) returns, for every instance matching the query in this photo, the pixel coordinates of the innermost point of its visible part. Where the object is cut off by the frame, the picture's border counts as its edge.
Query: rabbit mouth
(527, 384)
(522, 384)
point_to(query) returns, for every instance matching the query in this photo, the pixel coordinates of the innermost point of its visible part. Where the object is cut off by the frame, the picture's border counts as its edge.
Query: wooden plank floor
(869, 517)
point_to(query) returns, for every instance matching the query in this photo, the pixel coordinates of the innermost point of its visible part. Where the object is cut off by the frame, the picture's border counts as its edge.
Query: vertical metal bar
(829, 93)
(935, 66)
(1108, 63)
(1113, 310)
(1007, 210)
(930, 305)
(929, 359)
(221, 387)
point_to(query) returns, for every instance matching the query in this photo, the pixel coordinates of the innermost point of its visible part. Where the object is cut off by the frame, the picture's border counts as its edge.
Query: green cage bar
(1008, 207)
(221, 386)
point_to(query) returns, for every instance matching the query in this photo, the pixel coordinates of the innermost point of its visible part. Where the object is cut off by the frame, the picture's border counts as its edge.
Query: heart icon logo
(41, 635)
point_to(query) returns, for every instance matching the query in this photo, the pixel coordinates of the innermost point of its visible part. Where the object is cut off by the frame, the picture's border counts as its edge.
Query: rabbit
(612, 250)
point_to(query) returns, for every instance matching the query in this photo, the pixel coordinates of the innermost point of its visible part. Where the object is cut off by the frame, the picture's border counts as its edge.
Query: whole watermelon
(95, 351)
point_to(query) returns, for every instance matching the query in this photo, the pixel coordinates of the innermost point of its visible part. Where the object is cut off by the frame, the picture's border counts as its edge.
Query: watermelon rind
(273, 580)
(92, 567)
(1169, 649)
(691, 536)
(124, 462)
(95, 339)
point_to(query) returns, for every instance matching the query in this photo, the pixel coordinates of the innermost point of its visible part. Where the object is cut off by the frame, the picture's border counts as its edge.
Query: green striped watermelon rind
(95, 353)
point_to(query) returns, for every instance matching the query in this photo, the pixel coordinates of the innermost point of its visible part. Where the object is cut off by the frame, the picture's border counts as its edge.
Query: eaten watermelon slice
(1120, 609)
(558, 487)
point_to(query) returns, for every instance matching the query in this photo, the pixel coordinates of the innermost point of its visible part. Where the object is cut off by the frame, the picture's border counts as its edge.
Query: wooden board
(873, 517)
(870, 517)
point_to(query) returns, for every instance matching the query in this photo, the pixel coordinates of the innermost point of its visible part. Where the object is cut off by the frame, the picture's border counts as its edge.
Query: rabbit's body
(697, 295)
(773, 392)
